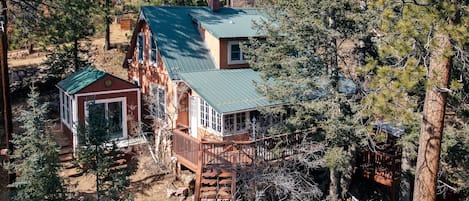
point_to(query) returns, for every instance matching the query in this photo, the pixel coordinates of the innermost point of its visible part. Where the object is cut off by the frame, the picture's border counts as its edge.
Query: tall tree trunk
(334, 186)
(431, 132)
(107, 44)
(75, 54)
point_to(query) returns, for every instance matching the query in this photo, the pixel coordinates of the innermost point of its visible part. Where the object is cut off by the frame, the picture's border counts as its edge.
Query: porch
(215, 162)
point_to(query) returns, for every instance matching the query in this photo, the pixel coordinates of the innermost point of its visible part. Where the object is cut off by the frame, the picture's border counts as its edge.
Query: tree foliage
(419, 43)
(36, 156)
(299, 63)
(98, 154)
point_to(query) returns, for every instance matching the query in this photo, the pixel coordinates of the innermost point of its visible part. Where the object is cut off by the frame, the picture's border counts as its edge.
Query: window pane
(202, 118)
(235, 52)
(115, 120)
(240, 121)
(214, 120)
(228, 122)
(153, 50)
(140, 47)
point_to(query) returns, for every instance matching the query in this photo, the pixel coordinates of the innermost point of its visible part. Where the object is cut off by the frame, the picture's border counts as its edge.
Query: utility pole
(5, 107)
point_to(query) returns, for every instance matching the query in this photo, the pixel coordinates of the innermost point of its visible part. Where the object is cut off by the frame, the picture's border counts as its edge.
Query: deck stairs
(217, 182)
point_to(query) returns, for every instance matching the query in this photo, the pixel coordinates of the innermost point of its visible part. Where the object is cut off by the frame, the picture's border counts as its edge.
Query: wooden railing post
(198, 173)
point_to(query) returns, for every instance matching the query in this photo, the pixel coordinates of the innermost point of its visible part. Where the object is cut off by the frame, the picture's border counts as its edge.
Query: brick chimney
(214, 5)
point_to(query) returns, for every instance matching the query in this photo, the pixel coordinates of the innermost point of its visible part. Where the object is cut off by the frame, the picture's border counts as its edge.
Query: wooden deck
(382, 167)
(215, 162)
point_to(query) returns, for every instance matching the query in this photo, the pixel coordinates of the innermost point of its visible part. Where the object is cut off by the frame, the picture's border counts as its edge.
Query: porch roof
(227, 90)
(80, 80)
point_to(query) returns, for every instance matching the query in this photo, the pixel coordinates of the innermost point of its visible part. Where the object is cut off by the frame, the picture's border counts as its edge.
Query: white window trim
(152, 87)
(124, 113)
(140, 60)
(212, 118)
(241, 61)
(150, 50)
(69, 106)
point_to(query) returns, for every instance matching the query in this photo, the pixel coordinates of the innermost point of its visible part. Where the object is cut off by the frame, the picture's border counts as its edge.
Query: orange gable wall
(146, 74)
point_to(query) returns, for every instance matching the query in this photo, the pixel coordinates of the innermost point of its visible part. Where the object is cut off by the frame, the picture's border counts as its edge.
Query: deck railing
(186, 147)
(233, 152)
(381, 164)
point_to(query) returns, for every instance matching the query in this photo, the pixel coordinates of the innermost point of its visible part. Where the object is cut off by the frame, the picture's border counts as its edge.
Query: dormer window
(140, 47)
(235, 54)
(153, 52)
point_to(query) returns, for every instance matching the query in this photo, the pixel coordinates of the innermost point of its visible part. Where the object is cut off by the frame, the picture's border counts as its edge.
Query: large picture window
(235, 53)
(110, 111)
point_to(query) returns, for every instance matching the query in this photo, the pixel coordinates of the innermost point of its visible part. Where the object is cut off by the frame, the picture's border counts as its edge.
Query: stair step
(118, 167)
(213, 195)
(214, 181)
(68, 164)
(65, 158)
(217, 173)
(71, 173)
(214, 188)
(65, 150)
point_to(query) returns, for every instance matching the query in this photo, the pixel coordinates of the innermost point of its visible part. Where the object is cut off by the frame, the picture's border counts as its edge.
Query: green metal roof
(229, 22)
(179, 42)
(81, 79)
(227, 90)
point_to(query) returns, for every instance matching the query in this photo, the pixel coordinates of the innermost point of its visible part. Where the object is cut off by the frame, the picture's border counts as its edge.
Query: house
(117, 99)
(189, 64)
(190, 60)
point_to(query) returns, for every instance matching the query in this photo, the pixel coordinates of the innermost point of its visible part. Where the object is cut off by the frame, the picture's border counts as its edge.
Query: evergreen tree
(36, 156)
(299, 63)
(420, 43)
(97, 155)
(71, 22)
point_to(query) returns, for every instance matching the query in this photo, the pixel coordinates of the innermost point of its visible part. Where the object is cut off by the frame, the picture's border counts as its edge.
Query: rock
(182, 191)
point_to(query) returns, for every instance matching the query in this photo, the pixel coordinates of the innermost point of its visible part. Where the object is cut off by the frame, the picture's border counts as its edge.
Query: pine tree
(419, 44)
(70, 22)
(97, 155)
(299, 63)
(36, 156)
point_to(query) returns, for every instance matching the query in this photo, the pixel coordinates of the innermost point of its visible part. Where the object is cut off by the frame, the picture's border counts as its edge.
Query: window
(234, 123)
(153, 52)
(235, 54)
(229, 124)
(140, 46)
(110, 114)
(66, 109)
(158, 108)
(224, 124)
(240, 121)
(209, 117)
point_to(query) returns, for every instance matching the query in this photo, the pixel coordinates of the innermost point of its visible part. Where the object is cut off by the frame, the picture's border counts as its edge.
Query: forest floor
(148, 182)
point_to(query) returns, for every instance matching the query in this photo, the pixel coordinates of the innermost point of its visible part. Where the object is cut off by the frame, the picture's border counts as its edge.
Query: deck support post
(198, 173)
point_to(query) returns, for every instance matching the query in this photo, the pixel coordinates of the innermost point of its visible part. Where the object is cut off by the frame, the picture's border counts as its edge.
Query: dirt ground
(148, 182)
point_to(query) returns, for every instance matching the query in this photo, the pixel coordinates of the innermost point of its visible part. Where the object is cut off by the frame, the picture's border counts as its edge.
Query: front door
(193, 116)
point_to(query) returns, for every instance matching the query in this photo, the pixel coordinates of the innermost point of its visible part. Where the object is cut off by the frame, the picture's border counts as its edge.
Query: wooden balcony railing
(190, 150)
(186, 148)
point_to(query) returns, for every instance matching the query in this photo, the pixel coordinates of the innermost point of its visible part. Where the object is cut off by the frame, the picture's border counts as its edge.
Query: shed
(118, 100)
